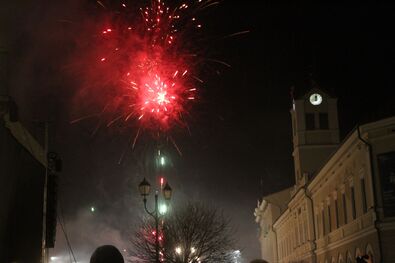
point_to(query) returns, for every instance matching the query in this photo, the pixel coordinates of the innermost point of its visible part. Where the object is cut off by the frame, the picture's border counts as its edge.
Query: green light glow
(163, 209)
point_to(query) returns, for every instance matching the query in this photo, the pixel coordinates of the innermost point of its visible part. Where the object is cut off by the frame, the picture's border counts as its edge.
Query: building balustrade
(359, 224)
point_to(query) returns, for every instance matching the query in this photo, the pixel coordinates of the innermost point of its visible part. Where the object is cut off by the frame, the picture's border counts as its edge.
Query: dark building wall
(388, 241)
(21, 201)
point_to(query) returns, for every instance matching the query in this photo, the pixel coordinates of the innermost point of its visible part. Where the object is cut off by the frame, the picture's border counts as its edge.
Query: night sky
(239, 145)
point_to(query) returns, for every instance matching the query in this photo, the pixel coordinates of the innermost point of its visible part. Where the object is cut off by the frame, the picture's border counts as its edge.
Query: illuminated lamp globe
(144, 188)
(163, 209)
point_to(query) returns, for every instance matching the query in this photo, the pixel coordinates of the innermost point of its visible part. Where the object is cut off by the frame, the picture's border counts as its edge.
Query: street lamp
(144, 188)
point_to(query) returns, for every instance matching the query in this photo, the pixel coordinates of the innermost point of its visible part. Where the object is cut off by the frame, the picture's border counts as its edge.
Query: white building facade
(343, 201)
(267, 212)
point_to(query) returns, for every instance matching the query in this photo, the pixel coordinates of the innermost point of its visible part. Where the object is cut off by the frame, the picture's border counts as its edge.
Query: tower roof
(302, 87)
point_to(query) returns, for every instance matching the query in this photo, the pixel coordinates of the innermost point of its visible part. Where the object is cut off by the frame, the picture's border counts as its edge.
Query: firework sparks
(149, 65)
(144, 64)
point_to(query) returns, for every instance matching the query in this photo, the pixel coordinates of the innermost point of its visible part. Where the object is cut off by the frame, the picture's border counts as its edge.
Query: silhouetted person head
(106, 254)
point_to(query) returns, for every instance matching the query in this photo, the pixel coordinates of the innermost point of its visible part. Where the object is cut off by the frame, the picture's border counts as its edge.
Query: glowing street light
(144, 188)
(178, 250)
(163, 209)
(236, 256)
(162, 161)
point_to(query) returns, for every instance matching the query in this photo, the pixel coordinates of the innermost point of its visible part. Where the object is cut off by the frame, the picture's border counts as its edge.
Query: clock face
(315, 99)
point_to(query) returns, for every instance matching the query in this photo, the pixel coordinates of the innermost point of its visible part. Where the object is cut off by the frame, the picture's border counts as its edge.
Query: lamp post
(144, 188)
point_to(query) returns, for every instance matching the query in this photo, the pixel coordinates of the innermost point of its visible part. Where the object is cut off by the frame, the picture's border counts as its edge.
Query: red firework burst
(149, 65)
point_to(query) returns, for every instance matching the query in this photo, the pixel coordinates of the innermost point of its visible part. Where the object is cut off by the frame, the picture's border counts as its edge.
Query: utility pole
(44, 250)
(53, 165)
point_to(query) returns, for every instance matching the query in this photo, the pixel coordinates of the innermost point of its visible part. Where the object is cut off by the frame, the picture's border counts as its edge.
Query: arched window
(369, 251)
(340, 259)
(358, 253)
(349, 257)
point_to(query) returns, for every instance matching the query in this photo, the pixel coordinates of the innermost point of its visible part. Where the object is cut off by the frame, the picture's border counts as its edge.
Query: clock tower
(315, 130)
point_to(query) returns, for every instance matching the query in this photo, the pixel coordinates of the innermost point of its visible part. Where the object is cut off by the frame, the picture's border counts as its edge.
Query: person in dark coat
(106, 254)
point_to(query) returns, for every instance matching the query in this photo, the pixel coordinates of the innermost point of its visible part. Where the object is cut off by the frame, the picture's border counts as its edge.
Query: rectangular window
(286, 246)
(344, 203)
(324, 122)
(329, 218)
(364, 203)
(282, 249)
(386, 164)
(336, 214)
(306, 232)
(310, 125)
(353, 203)
(293, 126)
(323, 222)
(301, 231)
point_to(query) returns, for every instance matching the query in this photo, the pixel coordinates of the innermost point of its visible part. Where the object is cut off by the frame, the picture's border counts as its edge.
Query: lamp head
(144, 188)
(167, 191)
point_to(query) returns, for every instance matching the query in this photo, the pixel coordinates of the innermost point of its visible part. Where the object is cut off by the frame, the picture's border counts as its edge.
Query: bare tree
(191, 234)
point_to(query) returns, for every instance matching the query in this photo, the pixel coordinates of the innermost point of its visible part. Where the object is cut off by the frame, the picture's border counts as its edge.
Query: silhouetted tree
(191, 234)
